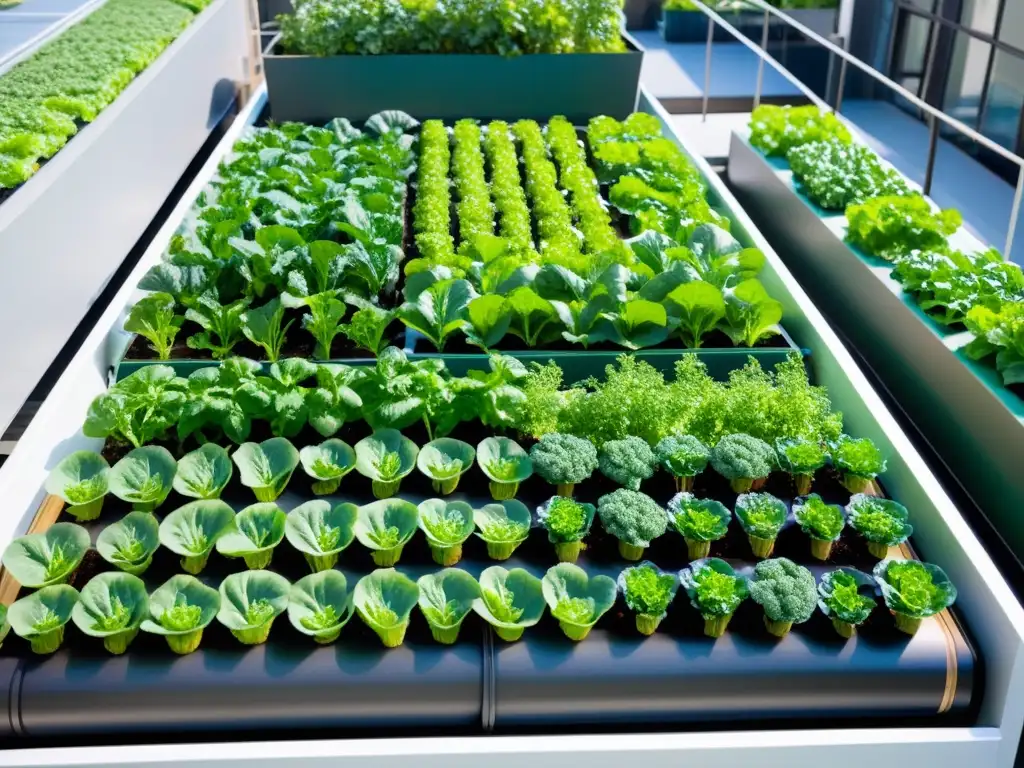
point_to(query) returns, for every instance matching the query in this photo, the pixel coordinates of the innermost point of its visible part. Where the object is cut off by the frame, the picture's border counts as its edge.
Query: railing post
(933, 145)
(760, 61)
(842, 82)
(707, 72)
(1014, 213)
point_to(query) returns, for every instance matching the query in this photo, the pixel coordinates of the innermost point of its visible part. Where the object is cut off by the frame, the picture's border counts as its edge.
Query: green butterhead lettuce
(249, 603)
(860, 461)
(762, 517)
(384, 599)
(567, 522)
(822, 522)
(576, 599)
(447, 525)
(648, 591)
(913, 591)
(41, 616)
(266, 467)
(684, 457)
(320, 605)
(82, 480)
(385, 527)
(179, 610)
(43, 559)
(144, 477)
(444, 460)
(129, 544)
(320, 532)
(506, 465)
(192, 531)
(386, 457)
(253, 534)
(112, 606)
(699, 521)
(883, 523)
(510, 601)
(801, 459)
(327, 464)
(845, 596)
(446, 598)
(503, 526)
(716, 590)
(204, 473)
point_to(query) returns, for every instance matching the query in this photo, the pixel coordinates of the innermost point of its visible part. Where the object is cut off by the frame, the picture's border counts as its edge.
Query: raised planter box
(451, 85)
(960, 407)
(65, 232)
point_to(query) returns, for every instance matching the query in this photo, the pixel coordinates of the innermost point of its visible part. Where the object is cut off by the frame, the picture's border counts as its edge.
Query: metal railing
(935, 116)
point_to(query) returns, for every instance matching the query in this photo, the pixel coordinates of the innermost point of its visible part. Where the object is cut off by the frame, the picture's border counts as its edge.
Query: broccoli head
(627, 462)
(633, 518)
(786, 591)
(564, 460)
(741, 459)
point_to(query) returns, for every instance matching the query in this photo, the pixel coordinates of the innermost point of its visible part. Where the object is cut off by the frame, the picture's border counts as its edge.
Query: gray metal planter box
(973, 423)
(68, 229)
(451, 85)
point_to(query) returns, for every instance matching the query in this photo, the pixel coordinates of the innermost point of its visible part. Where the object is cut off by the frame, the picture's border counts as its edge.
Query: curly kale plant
(787, 593)
(567, 522)
(913, 591)
(684, 457)
(801, 459)
(744, 461)
(822, 522)
(564, 460)
(841, 597)
(627, 462)
(835, 173)
(762, 517)
(716, 590)
(634, 518)
(648, 590)
(883, 523)
(860, 461)
(700, 521)
(890, 227)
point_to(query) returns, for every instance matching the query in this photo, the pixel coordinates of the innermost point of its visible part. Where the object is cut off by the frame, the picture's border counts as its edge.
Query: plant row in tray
(513, 239)
(888, 220)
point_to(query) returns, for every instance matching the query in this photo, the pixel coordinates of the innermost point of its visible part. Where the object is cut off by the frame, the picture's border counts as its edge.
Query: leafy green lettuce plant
(447, 525)
(81, 480)
(841, 597)
(822, 522)
(835, 173)
(716, 590)
(320, 532)
(510, 601)
(699, 521)
(386, 457)
(786, 591)
(751, 315)
(327, 464)
(648, 591)
(384, 527)
(762, 517)
(913, 591)
(999, 332)
(320, 605)
(138, 409)
(684, 457)
(40, 617)
(153, 317)
(249, 603)
(627, 462)
(384, 599)
(144, 477)
(577, 599)
(221, 323)
(860, 461)
(503, 526)
(567, 522)
(564, 461)
(776, 130)
(129, 543)
(192, 531)
(265, 327)
(112, 606)
(744, 461)
(634, 518)
(204, 473)
(801, 459)
(882, 522)
(889, 227)
(253, 535)
(180, 609)
(444, 460)
(506, 465)
(446, 598)
(266, 467)
(42, 559)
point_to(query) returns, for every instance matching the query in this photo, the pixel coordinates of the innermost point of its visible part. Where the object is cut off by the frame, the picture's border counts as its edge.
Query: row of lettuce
(978, 291)
(513, 236)
(73, 78)
(115, 607)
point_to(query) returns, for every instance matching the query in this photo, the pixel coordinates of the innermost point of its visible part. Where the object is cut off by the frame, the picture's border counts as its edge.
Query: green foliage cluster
(648, 590)
(345, 27)
(431, 218)
(819, 520)
(841, 599)
(889, 227)
(776, 130)
(77, 75)
(999, 333)
(913, 589)
(835, 173)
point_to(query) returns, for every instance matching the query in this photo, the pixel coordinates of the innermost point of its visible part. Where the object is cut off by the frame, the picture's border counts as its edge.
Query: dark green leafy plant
(648, 591)
(786, 591)
(140, 408)
(822, 522)
(762, 517)
(221, 324)
(633, 518)
(265, 327)
(882, 523)
(841, 597)
(153, 317)
(684, 457)
(577, 599)
(801, 459)
(715, 590)
(913, 591)
(860, 461)
(890, 227)
(699, 521)
(567, 522)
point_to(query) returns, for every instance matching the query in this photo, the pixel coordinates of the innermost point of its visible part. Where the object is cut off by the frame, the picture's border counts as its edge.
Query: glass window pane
(916, 32)
(980, 15)
(966, 78)
(1005, 99)
(1012, 29)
